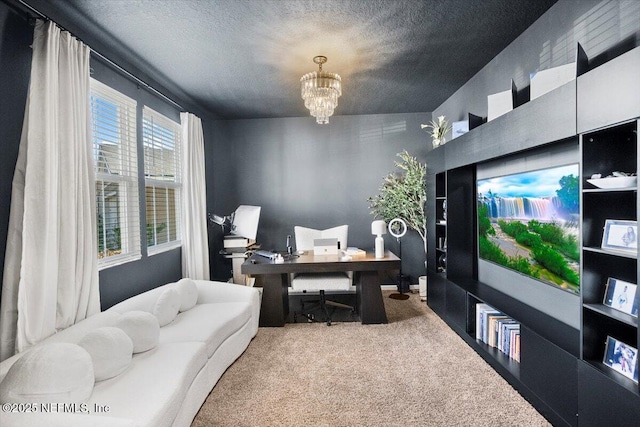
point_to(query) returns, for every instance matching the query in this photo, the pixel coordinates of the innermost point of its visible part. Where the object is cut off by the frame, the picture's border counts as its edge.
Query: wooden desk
(274, 279)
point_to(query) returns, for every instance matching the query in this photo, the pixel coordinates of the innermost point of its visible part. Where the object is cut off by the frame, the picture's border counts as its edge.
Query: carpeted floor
(414, 371)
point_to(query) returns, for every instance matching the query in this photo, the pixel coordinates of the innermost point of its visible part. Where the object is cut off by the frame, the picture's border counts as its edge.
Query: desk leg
(275, 299)
(369, 297)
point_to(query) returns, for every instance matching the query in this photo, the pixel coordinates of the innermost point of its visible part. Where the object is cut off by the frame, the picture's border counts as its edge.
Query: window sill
(158, 249)
(116, 260)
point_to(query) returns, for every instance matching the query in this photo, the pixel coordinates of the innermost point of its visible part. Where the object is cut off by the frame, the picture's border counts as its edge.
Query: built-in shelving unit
(614, 148)
(441, 222)
(560, 370)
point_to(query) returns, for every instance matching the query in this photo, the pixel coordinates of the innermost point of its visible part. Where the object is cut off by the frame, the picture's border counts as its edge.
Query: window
(113, 133)
(161, 141)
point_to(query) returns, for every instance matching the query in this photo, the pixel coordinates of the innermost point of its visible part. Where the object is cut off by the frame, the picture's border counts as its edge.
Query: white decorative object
(547, 80)
(459, 128)
(142, 327)
(378, 228)
(110, 349)
(167, 306)
(52, 373)
(499, 104)
(422, 286)
(320, 91)
(439, 130)
(614, 182)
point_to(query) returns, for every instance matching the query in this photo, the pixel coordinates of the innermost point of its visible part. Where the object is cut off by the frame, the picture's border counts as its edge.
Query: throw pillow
(188, 293)
(110, 349)
(142, 327)
(51, 373)
(167, 306)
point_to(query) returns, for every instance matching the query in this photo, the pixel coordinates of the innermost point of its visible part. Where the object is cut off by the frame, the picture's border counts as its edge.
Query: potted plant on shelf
(439, 130)
(403, 195)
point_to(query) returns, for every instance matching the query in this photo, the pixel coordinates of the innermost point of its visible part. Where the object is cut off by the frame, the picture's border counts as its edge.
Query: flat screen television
(529, 222)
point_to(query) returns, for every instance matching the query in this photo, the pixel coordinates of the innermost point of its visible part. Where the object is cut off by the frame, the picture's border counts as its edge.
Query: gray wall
(319, 176)
(603, 28)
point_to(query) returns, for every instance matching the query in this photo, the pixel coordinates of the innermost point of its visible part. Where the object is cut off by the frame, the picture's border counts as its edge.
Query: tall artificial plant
(403, 195)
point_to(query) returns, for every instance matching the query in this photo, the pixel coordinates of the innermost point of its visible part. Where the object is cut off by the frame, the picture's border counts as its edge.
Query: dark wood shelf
(610, 252)
(613, 314)
(609, 190)
(620, 379)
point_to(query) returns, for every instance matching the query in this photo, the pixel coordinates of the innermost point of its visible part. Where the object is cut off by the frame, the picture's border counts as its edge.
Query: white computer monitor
(245, 221)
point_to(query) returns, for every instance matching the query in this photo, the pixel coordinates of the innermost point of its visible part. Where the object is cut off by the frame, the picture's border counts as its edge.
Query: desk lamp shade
(378, 228)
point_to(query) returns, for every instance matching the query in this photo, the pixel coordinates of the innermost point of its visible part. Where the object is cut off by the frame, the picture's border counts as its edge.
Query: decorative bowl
(615, 182)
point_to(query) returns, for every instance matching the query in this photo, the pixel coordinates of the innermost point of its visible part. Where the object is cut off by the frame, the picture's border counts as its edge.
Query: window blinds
(113, 129)
(161, 138)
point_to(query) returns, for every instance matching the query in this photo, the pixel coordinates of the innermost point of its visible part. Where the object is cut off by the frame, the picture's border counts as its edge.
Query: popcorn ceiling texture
(244, 58)
(413, 371)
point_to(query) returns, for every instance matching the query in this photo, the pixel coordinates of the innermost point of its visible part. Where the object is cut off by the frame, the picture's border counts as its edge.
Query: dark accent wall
(604, 29)
(303, 173)
(15, 65)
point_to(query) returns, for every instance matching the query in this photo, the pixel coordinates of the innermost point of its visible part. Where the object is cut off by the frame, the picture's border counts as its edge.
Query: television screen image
(529, 222)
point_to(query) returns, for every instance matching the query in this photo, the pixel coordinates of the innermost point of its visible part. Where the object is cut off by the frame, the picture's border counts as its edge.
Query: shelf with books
(497, 330)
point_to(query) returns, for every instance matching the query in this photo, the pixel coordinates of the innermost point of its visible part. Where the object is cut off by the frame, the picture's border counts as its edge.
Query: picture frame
(622, 358)
(621, 296)
(620, 235)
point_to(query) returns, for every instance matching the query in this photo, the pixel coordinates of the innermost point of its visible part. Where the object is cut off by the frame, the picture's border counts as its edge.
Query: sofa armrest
(62, 419)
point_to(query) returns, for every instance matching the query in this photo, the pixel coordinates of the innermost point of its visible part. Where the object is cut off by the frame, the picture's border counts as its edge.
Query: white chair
(321, 282)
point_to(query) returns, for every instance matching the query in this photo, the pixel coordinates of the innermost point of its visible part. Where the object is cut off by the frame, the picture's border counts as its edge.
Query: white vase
(422, 285)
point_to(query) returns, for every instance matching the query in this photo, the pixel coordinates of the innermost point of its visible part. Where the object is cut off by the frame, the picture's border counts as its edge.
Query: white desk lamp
(378, 228)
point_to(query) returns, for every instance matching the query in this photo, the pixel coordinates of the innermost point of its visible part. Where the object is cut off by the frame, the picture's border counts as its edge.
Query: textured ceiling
(244, 58)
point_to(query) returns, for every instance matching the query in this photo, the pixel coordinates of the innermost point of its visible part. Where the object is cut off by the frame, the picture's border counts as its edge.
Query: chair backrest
(305, 236)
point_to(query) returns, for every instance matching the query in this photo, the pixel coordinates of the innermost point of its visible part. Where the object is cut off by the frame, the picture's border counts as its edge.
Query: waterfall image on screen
(529, 222)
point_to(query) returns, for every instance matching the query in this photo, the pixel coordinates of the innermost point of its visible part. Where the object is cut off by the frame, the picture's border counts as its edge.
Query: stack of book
(497, 330)
(238, 244)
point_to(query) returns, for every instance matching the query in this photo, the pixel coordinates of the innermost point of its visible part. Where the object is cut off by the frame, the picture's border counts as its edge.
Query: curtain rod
(108, 61)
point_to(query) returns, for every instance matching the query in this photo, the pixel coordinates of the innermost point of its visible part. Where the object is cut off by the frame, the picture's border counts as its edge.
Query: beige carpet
(414, 371)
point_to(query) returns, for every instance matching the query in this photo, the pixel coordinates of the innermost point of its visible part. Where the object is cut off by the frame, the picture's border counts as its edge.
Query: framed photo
(621, 295)
(621, 358)
(620, 235)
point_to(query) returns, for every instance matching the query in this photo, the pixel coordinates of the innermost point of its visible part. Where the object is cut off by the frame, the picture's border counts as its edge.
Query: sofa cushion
(211, 324)
(167, 306)
(188, 292)
(142, 327)
(52, 373)
(153, 388)
(110, 349)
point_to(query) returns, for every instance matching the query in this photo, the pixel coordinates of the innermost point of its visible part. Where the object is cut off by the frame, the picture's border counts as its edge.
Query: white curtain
(50, 276)
(195, 246)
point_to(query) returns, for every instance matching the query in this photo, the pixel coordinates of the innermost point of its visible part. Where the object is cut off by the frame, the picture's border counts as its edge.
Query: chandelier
(320, 91)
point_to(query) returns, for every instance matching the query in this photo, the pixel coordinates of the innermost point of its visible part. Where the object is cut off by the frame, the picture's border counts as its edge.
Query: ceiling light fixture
(320, 91)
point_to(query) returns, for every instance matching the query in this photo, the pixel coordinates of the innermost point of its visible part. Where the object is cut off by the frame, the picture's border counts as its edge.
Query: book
(232, 241)
(355, 252)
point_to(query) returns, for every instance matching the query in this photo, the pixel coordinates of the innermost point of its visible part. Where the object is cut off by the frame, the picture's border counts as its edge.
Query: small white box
(325, 246)
(547, 80)
(459, 128)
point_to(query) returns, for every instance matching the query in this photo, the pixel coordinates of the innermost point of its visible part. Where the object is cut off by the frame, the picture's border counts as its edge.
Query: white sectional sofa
(162, 386)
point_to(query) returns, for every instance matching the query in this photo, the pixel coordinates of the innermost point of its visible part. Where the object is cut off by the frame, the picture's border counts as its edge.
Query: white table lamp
(378, 228)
